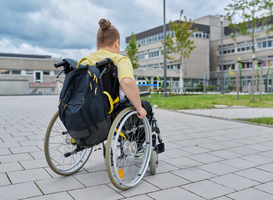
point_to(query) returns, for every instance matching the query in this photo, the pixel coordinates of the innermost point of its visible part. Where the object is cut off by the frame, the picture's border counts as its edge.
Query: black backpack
(85, 104)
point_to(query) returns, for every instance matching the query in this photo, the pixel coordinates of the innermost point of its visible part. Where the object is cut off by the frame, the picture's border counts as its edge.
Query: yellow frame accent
(110, 101)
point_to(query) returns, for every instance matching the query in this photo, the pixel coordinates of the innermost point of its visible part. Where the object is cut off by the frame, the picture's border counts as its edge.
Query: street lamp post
(164, 30)
(222, 66)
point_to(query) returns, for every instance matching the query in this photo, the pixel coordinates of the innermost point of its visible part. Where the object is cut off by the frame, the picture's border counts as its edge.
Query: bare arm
(130, 89)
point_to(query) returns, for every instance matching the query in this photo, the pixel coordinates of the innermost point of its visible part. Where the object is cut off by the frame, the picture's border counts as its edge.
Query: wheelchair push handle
(60, 64)
(65, 65)
(104, 63)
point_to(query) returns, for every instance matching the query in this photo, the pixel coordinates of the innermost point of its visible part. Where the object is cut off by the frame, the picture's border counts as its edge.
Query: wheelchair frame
(127, 155)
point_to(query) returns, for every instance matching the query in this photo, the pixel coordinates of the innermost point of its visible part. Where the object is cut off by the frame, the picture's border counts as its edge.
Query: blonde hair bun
(104, 24)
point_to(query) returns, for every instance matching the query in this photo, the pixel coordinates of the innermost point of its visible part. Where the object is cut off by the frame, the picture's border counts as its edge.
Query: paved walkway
(205, 158)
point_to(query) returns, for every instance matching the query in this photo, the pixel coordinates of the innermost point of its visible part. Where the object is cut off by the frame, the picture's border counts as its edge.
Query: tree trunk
(181, 73)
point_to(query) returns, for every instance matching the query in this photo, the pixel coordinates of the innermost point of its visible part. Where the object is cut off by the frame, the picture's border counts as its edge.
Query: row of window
(172, 66)
(6, 71)
(260, 45)
(200, 35)
(247, 65)
(26, 72)
(226, 67)
(149, 55)
(160, 36)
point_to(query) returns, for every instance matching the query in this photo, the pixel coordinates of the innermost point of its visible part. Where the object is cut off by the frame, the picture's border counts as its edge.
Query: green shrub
(200, 90)
(230, 87)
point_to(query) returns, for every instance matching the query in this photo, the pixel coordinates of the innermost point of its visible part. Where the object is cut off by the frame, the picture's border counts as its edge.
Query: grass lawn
(261, 120)
(196, 101)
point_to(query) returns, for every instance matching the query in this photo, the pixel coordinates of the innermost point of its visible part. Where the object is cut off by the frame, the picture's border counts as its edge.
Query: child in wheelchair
(108, 45)
(131, 147)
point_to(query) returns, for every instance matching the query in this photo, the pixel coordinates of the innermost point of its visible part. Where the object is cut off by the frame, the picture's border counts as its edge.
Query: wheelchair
(131, 146)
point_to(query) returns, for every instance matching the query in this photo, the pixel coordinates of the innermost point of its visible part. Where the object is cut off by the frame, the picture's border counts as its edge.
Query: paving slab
(205, 158)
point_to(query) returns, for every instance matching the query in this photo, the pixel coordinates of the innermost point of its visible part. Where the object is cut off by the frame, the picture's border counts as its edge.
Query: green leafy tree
(255, 14)
(180, 42)
(132, 51)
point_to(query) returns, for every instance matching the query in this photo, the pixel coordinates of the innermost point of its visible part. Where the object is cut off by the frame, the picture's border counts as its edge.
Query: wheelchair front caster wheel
(153, 163)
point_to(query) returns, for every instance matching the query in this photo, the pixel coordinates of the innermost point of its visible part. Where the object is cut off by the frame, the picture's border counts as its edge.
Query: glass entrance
(38, 76)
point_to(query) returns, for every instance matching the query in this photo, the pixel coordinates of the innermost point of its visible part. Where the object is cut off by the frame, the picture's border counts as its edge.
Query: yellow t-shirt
(124, 65)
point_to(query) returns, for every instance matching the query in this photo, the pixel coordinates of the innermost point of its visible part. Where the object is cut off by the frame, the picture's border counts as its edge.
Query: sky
(68, 28)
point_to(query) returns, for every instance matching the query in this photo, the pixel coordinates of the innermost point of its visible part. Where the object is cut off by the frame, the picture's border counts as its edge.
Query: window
(241, 42)
(249, 65)
(15, 72)
(238, 49)
(259, 45)
(141, 57)
(149, 40)
(143, 41)
(175, 66)
(224, 52)
(153, 54)
(243, 49)
(4, 71)
(152, 65)
(232, 50)
(28, 72)
(269, 43)
(264, 44)
(46, 72)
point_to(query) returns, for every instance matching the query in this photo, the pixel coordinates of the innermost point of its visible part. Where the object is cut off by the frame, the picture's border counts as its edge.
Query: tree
(180, 42)
(254, 14)
(132, 50)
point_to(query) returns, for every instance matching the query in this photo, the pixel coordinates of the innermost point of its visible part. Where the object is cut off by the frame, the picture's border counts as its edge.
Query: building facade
(28, 74)
(204, 64)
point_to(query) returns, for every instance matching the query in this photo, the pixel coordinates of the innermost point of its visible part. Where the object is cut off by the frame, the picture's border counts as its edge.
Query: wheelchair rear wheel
(128, 149)
(57, 143)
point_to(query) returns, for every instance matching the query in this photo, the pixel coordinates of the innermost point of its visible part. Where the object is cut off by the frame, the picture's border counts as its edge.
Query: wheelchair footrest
(160, 148)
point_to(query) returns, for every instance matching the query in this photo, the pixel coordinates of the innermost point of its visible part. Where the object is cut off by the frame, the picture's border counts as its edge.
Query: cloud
(7, 46)
(66, 26)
